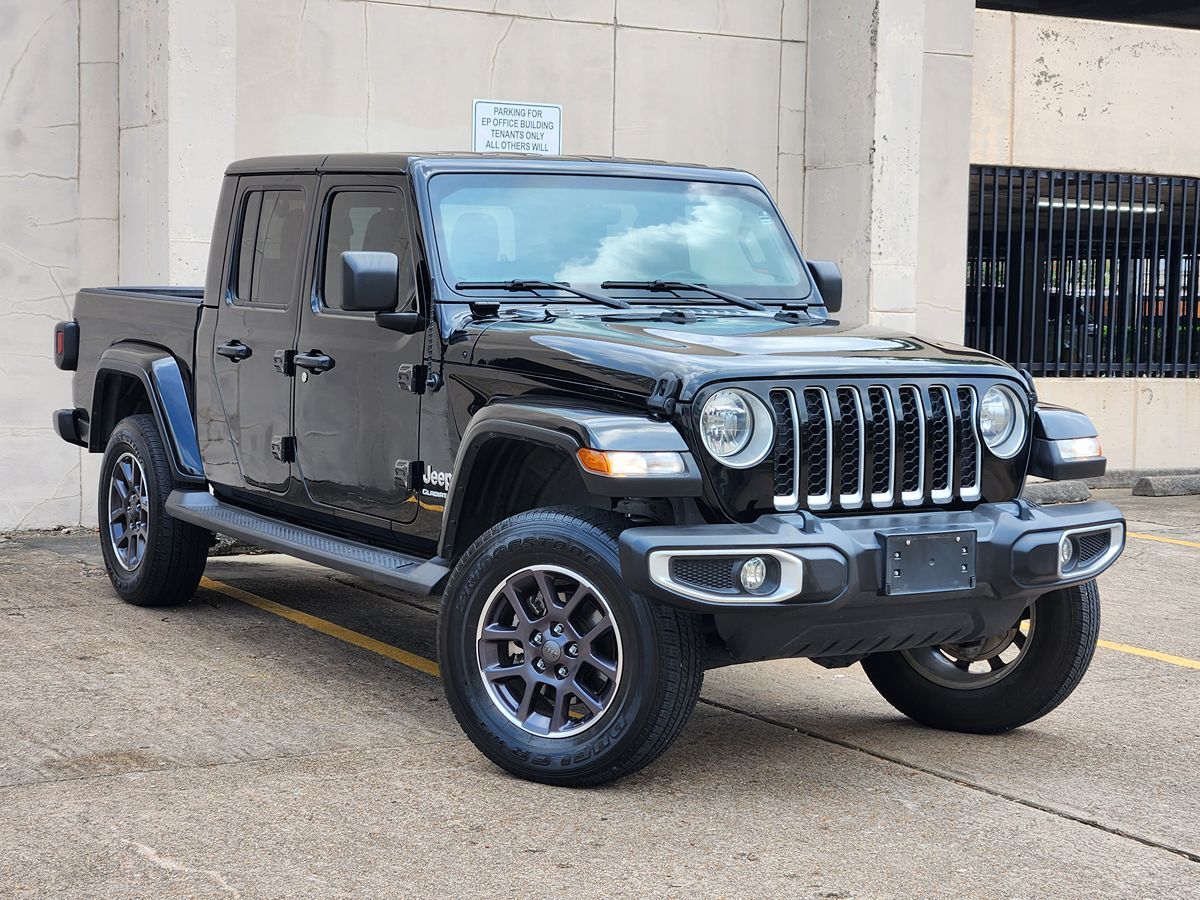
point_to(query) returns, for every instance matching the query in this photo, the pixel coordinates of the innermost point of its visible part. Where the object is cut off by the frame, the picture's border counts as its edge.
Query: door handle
(235, 350)
(314, 361)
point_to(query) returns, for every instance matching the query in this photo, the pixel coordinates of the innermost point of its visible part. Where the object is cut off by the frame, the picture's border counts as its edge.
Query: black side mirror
(370, 281)
(828, 278)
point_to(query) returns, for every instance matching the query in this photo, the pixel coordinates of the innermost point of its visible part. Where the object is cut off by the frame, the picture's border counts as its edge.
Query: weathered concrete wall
(40, 229)
(1144, 423)
(715, 82)
(1104, 96)
(1076, 94)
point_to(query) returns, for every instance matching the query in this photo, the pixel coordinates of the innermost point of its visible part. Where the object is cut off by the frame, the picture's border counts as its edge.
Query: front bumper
(829, 591)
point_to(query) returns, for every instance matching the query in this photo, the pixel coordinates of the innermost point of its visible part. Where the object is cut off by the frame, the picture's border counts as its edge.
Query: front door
(257, 320)
(356, 424)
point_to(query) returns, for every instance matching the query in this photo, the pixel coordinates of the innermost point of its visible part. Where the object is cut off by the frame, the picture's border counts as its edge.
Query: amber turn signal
(627, 463)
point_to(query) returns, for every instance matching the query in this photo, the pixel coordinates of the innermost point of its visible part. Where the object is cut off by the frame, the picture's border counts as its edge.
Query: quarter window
(269, 246)
(364, 220)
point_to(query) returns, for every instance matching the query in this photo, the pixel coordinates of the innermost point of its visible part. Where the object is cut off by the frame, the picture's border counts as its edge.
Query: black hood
(630, 352)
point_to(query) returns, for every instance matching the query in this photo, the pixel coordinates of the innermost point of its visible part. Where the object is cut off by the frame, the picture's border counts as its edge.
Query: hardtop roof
(431, 163)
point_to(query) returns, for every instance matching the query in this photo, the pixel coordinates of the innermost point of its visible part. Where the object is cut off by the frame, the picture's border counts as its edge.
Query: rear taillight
(66, 345)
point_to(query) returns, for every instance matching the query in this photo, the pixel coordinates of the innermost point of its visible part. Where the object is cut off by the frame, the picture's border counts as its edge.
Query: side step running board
(407, 573)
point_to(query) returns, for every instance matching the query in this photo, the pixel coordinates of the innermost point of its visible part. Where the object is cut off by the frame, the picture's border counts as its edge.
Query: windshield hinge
(483, 309)
(662, 398)
(794, 313)
(412, 378)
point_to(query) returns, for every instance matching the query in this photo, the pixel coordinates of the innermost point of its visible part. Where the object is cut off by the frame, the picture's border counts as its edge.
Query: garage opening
(1074, 273)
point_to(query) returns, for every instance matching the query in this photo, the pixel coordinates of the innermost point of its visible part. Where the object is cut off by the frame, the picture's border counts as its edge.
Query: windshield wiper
(676, 286)
(533, 285)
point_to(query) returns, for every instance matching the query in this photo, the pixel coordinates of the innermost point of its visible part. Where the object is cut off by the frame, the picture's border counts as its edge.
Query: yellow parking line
(1151, 654)
(1163, 540)
(420, 663)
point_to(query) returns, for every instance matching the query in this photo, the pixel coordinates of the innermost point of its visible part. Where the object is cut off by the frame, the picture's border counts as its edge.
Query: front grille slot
(941, 445)
(786, 460)
(851, 442)
(968, 442)
(850, 446)
(816, 442)
(883, 455)
(911, 447)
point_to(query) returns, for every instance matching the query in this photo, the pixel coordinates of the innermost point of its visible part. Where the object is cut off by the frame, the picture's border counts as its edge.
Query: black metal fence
(1084, 273)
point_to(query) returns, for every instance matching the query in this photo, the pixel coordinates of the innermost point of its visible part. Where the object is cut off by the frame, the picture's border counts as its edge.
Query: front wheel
(1000, 682)
(554, 670)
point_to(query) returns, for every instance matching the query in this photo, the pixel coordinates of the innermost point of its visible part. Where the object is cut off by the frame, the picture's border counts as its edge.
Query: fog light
(1066, 552)
(753, 574)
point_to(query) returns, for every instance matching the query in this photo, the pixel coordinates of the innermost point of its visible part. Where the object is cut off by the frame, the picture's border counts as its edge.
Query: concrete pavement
(220, 750)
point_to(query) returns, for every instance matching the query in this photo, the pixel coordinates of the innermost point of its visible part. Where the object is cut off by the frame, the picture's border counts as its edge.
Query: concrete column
(887, 144)
(176, 133)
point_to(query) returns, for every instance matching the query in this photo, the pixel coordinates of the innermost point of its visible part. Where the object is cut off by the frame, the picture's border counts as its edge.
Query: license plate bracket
(929, 562)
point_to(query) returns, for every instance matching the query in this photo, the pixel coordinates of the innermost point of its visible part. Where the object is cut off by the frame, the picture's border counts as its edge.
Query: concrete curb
(1127, 478)
(1050, 492)
(1167, 486)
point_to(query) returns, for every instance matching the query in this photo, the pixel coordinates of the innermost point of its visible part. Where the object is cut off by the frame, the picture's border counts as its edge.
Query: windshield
(589, 229)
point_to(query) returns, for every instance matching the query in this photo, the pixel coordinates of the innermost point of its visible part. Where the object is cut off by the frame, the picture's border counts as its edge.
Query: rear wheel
(1000, 682)
(152, 559)
(554, 670)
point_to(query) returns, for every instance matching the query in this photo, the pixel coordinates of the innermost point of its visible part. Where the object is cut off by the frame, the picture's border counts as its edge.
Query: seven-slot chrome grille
(856, 446)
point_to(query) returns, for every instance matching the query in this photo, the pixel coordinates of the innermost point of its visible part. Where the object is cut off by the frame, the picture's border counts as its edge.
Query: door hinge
(284, 448)
(283, 362)
(412, 378)
(408, 474)
(662, 399)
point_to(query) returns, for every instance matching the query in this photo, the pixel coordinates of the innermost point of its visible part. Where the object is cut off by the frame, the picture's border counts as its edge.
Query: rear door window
(269, 248)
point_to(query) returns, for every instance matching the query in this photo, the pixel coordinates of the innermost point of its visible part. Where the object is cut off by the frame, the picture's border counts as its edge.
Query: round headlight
(1000, 421)
(726, 423)
(736, 428)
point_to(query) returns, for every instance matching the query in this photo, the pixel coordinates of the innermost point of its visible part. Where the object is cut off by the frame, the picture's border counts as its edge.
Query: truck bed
(159, 316)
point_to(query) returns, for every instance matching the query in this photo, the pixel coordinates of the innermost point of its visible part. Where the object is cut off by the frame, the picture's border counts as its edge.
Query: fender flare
(163, 378)
(569, 427)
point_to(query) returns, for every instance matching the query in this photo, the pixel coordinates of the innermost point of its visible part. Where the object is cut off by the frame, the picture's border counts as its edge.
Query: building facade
(874, 123)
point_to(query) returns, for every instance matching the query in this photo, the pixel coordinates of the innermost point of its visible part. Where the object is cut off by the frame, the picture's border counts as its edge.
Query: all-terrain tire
(174, 554)
(660, 652)
(1058, 653)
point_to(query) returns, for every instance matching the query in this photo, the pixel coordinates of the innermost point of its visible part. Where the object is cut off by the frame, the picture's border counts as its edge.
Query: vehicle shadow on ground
(313, 664)
(341, 667)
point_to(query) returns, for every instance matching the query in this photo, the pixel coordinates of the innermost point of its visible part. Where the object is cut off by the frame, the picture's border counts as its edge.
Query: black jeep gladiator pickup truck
(602, 408)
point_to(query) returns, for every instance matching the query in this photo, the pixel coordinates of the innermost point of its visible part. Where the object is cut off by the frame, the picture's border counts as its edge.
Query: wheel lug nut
(572, 649)
(561, 671)
(558, 629)
(540, 665)
(537, 639)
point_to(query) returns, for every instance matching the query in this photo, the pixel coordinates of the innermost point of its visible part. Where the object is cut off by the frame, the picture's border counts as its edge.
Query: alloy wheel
(128, 512)
(549, 651)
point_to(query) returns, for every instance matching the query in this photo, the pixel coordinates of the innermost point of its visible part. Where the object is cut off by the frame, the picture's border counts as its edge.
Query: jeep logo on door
(435, 483)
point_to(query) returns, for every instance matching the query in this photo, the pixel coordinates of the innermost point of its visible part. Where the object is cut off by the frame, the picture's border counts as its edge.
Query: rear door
(357, 423)
(256, 323)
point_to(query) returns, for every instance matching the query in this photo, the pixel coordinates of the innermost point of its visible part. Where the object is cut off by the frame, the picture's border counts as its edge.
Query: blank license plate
(926, 563)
